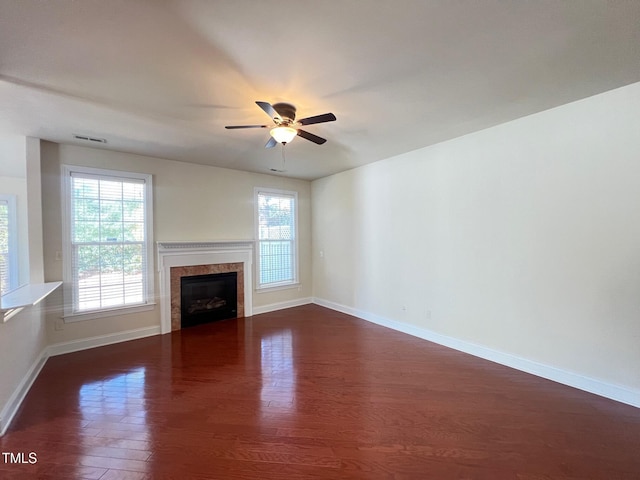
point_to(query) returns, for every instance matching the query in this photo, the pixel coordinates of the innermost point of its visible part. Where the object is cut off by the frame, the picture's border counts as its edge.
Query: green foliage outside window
(108, 227)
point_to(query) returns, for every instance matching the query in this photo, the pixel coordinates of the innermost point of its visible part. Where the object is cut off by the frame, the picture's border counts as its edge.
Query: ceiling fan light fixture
(284, 117)
(283, 134)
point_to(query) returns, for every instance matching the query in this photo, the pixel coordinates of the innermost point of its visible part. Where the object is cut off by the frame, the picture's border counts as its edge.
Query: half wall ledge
(27, 295)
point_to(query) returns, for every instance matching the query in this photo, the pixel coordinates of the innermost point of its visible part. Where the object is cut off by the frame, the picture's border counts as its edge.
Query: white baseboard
(272, 307)
(15, 400)
(101, 340)
(591, 385)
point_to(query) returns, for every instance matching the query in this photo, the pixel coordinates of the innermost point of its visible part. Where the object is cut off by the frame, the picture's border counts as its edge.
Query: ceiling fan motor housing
(286, 111)
(286, 127)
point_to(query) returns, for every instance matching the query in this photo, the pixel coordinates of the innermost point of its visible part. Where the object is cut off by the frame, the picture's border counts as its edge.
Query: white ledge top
(24, 296)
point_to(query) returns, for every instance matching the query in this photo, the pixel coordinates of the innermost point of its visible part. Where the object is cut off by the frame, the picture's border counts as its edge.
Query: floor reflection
(115, 408)
(278, 372)
(119, 395)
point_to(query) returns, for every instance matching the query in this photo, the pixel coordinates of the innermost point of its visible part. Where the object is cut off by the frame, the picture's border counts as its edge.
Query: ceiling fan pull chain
(283, 156)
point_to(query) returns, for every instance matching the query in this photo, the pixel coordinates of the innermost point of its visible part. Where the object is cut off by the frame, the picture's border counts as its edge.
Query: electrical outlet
(59, 324)
(427, 315)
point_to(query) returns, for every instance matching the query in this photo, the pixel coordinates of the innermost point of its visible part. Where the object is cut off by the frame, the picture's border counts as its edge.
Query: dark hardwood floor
(308, 393)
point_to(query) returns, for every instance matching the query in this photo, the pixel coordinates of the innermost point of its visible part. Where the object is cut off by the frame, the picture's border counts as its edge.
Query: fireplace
(196, 274)
(207, 298)
(191, 259)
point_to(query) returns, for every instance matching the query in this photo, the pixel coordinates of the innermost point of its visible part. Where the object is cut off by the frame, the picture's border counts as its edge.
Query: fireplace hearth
(208, 298)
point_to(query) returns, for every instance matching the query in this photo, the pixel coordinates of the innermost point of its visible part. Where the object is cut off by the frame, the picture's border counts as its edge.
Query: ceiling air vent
(87, 138)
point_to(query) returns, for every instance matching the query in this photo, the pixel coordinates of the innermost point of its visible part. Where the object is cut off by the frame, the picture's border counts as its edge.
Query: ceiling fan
(286, 126)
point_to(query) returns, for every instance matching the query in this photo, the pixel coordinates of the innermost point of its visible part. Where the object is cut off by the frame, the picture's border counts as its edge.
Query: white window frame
(12, 227)
(67, 273)
(276, 285)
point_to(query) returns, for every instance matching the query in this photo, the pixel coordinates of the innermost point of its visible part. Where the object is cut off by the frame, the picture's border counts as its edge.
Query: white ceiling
(163, 78)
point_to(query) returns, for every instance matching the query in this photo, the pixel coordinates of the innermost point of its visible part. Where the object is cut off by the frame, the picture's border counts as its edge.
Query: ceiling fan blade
(233, 127)
(326, 117)
(271, 143)
(311, 137)
(269, 110)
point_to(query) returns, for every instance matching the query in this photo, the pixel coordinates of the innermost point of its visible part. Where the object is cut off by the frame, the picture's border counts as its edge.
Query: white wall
(191, 203)
(23, 337)
(13, 181)
(523, 238)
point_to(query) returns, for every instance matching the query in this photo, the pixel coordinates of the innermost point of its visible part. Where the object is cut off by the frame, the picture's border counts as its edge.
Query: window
(108, 247)
(8, 249)
(276, 223)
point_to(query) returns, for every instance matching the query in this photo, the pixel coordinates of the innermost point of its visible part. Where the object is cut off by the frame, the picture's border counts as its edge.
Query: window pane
(112, 295)
(86, 209)
(275, 217)
(85, 188)
(133, 211)
(133, 191)
(4, 272)
(133, 232)
(111, 232)
(276, 262)
(4, 247)
(8, 244)
(133, 289)
(108, 233)
(110, 190)
(86, 232)
(133, 216)
(111, 259)
(88, 298)
(133, 259)
(276, 234)
(87, 261)
(110, 211)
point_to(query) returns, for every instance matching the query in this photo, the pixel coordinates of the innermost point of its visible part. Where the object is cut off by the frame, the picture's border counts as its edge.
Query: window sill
(275, 288)
(25, 296)
(112, 312)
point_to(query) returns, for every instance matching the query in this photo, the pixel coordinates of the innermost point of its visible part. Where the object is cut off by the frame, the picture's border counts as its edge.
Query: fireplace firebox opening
(207, 298)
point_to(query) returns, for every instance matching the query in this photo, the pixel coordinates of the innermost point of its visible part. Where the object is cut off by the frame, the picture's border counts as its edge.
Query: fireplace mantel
(183, 254)
(186, 247)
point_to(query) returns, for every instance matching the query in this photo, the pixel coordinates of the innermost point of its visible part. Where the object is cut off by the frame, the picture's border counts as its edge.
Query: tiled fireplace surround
(178, 259)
